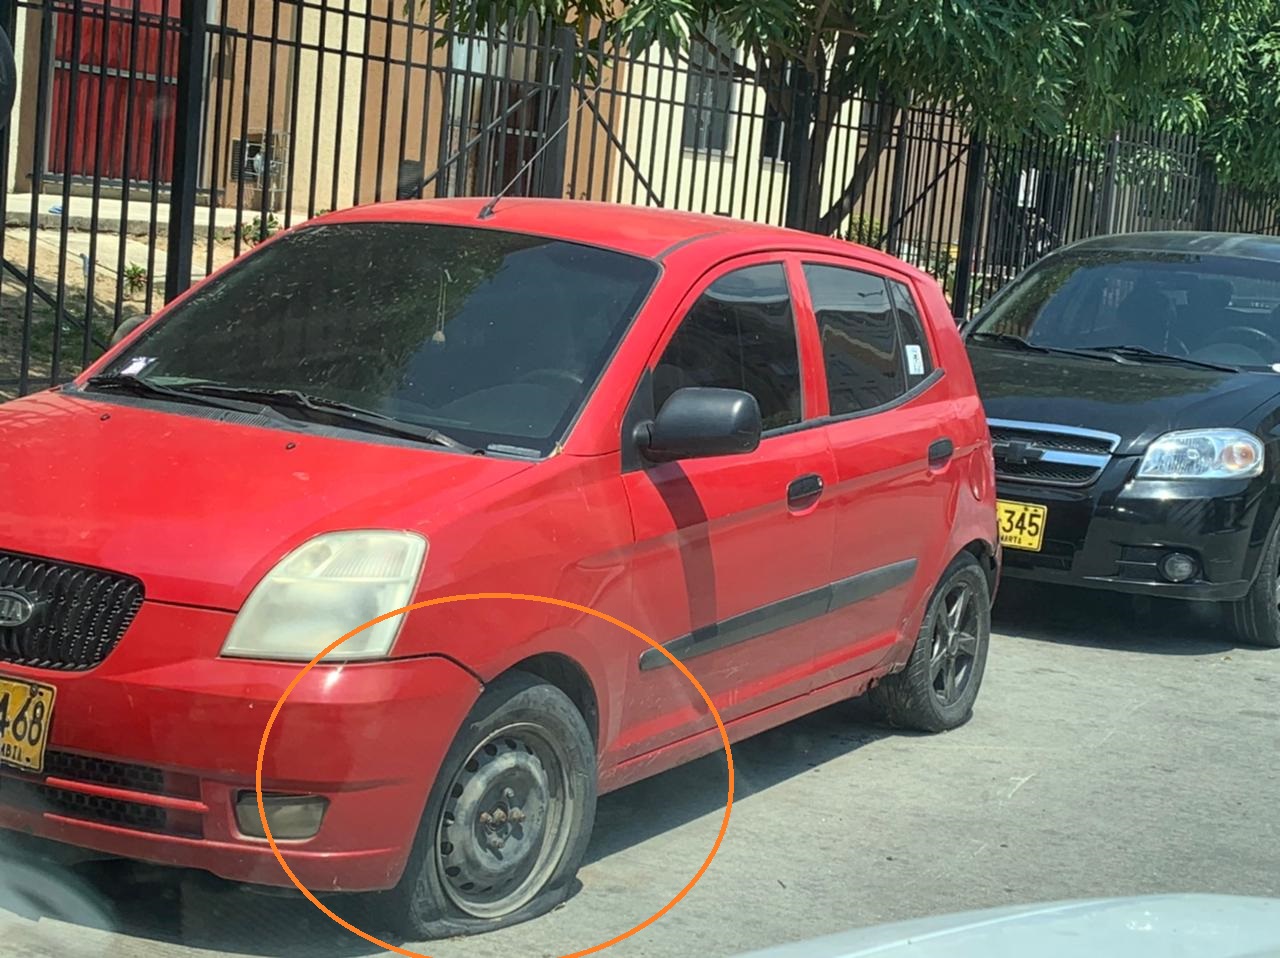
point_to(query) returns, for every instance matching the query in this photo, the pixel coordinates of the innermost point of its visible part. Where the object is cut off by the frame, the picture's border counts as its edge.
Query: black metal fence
(155, 140)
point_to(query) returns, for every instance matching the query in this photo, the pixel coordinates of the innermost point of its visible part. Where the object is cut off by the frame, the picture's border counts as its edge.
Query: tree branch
(727, 60)
(815, 37)
(877, 141)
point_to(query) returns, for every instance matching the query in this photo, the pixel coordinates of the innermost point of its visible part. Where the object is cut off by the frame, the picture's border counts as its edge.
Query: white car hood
(1157, 926)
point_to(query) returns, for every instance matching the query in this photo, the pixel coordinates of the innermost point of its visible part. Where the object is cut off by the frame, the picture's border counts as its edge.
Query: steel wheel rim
(503, 830)
(953, 652)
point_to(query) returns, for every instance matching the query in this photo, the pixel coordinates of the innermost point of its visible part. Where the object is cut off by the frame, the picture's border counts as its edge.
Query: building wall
(739, 181)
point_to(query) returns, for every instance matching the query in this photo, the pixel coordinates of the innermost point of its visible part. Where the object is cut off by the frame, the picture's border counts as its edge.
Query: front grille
(1062, 473)
(1053, 554)
(79, 613)
(1064, 442)
(102, 771)
(92, 808)
(1050, 454)
(56, 791)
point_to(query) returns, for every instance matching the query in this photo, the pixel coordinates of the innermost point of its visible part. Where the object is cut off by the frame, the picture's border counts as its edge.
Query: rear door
(890, 434)
(732, 553)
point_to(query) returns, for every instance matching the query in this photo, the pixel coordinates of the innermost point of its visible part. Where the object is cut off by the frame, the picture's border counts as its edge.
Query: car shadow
(648, 808)
(198, 911)
(1093, 618)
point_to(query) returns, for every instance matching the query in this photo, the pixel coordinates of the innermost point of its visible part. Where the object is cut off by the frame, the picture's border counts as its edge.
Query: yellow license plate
(26, 709)
(1021, 524)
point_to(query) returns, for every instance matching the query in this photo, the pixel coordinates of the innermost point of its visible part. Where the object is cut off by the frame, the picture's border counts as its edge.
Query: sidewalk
(138, 212)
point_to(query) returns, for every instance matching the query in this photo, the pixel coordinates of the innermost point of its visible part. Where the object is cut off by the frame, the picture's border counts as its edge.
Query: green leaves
(1210, 67)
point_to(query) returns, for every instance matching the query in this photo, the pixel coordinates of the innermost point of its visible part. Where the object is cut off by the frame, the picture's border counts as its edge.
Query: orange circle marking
(444, 600)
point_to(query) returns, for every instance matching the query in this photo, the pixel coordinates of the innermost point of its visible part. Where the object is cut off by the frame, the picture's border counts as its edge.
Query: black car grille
(1049, 454)
(1047, 472)
(1051, 440)
(79, 613)
(103, 771)
(93, 808)
(66, 785)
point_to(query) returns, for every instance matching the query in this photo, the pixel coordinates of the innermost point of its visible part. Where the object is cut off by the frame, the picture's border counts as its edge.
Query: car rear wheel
(937, 689)
(1255, 619)
(508, 820)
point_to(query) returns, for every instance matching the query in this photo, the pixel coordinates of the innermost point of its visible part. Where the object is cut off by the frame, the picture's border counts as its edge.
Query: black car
(1132, 386)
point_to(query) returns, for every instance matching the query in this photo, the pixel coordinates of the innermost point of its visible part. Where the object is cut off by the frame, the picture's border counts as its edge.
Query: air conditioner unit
(251, 157)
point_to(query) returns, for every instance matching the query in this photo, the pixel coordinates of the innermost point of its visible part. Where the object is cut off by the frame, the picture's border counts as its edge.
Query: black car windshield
(492, 337)
(1209, 308)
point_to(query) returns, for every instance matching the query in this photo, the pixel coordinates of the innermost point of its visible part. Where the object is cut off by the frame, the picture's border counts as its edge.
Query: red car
(762, 448)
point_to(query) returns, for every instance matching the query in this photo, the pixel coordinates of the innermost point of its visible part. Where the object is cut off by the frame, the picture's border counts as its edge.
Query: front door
(114, 80)
(732, 553)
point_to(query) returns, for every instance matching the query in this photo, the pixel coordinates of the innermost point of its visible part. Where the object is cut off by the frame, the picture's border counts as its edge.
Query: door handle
(940, 451)
(804, 491)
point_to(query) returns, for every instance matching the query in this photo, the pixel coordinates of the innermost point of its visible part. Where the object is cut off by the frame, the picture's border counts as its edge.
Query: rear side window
(861, 345)
(915, 345)
(740, 334)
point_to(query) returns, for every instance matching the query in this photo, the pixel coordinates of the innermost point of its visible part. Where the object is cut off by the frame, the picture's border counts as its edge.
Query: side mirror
(700, 421)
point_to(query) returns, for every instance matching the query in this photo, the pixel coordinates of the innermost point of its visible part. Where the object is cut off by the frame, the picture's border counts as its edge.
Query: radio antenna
(488, 208)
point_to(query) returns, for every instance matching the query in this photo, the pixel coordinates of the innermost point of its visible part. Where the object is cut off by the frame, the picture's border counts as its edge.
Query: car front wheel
(1255, 619)
(508, 820)
(937, 689)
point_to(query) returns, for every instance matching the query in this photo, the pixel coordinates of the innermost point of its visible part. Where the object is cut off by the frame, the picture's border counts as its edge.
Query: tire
(951, 657)
(524, 749)
(1255, 619)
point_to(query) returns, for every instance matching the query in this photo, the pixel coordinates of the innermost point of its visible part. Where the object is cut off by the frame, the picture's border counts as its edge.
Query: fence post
(970, 213)
(897, 189)
(1207, 201)
(552, 164)
(799, 166)
(1107, 210)
(188, 117)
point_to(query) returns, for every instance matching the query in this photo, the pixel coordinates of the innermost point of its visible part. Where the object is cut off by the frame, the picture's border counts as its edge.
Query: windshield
(490, 336)
(1212, 309)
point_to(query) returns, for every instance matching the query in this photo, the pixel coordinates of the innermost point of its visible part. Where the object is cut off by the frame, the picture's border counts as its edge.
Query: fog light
(290, 816)
(1178, 567)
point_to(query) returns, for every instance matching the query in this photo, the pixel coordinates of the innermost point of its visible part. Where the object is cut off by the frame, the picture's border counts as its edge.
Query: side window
(915, 345)
(860, 342)
(740, 334)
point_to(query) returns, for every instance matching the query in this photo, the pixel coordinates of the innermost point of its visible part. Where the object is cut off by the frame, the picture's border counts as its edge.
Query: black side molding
(781, 614)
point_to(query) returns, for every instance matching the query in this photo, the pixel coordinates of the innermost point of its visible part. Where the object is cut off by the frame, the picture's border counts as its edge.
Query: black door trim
(786, 612)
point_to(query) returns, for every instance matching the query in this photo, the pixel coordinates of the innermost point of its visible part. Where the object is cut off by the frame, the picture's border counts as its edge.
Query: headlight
(1203, 454)
(325, 588)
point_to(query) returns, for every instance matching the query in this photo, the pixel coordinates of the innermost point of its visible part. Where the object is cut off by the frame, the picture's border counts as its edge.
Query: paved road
(1110, 754)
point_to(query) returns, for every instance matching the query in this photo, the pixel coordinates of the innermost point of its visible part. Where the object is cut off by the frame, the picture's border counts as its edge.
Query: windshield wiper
(136, 386)
(1150, 355)
(1009, 339)
(1020, 343)
(333, 408)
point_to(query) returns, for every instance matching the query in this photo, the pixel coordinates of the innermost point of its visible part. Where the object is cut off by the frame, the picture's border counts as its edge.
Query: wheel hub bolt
(486, 818)
(517, 815)
(494, 841)
(499, 816)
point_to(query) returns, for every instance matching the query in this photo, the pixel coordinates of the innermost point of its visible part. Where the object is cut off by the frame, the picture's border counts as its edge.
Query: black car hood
(1137, 401)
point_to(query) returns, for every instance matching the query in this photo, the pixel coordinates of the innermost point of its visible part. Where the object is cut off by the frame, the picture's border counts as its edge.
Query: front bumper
(148, 752)
(1112, 533)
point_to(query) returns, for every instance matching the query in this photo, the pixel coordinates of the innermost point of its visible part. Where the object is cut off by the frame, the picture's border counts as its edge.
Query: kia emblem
(15, 609)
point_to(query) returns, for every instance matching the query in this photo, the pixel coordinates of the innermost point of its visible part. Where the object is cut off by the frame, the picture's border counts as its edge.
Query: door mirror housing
(700, 421)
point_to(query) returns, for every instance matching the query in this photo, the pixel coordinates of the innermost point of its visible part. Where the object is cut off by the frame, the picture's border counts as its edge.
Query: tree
(1011, 66)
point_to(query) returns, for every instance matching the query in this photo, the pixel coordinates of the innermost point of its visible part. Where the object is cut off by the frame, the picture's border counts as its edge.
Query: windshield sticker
(136, 365)
(915, 361)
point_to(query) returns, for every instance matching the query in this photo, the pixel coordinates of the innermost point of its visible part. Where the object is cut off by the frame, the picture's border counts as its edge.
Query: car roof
(640, 230)
(1238, 245)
